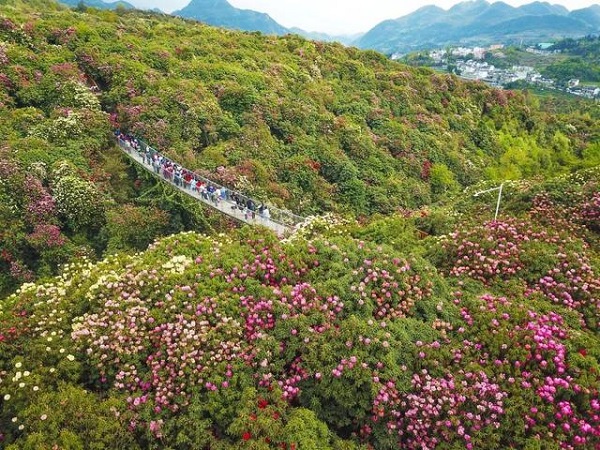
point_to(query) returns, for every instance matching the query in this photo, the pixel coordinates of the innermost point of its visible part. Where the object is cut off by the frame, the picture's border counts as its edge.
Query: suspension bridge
(280, 221)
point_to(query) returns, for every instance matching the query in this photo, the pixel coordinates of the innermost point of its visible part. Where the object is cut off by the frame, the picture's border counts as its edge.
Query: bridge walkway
(280, 221)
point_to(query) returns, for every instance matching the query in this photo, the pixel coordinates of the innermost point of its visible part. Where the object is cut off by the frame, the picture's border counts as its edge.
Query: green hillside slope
(98, 4)
(304, 125)
(401, 317)
(332, 127)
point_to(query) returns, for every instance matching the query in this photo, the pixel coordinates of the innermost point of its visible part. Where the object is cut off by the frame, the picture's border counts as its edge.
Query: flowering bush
(32, 241)
(552, 392)
(250, 337)
(46, 236)
(258, 324)
(447, 409)
(340, 336)
(590, 212)
(79, 202)
(541, 259)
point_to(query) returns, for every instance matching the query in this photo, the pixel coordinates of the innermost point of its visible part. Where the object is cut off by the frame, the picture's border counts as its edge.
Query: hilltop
(221, 13)
(98, 4)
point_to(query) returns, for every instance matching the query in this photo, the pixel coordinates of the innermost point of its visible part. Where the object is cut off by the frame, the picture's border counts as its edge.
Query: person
(187, 178)
(251, 207)
(177, 175)
(266, 213)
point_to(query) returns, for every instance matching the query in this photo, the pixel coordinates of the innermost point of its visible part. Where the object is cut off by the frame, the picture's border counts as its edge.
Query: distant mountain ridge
(222, 14)
(479, 22)
(474, 22)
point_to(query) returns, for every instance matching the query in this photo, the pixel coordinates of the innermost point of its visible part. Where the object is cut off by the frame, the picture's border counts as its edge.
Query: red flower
(262, 403)
(583, 352)
(246, 436)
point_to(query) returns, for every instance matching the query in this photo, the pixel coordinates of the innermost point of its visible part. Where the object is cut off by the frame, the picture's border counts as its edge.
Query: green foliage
(134, 228)
(591, 155)
(573, 68)
(442, 180)
(366, 125)
(72, 418)
(327, 339)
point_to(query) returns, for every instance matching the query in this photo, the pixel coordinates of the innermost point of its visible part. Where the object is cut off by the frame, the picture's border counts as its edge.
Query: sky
(337, 16)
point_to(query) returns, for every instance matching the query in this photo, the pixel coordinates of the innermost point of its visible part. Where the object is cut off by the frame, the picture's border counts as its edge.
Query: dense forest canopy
(132, 317)
(304, 125)
(583, 62)
(332, 127)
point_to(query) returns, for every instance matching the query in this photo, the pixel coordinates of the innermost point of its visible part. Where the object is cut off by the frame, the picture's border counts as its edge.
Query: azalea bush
(33, 241)
(545, 251)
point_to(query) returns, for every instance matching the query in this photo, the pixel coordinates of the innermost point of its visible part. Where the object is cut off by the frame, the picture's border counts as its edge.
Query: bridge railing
(277, 215)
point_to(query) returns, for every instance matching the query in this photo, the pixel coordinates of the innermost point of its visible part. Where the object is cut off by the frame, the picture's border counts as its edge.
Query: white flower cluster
(39, 169)
(313, 225)
(60, 129)
(243, 184)
(63, 169)
(102, 281)
(3, 56)
(78, 200)
(83, 97)
(178, 264)
(581, 177)
(8, 201)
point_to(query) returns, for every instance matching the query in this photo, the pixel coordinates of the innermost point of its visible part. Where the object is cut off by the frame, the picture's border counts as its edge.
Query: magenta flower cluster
(501, 250)
(536, 366)
(46, 236)
(444, 409)
(394, 290)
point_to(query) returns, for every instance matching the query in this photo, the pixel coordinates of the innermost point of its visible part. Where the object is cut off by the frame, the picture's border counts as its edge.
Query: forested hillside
(304, 125)
(131, 317)
(479, 22)
(583, 62)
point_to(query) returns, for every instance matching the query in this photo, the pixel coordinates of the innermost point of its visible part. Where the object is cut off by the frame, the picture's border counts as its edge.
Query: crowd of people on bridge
(188, 180)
